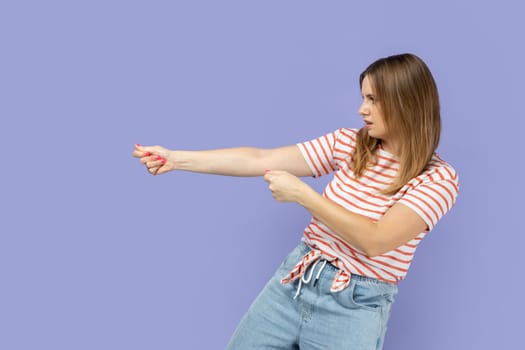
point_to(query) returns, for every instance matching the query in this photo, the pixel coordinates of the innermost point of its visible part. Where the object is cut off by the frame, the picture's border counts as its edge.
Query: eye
(370, 98)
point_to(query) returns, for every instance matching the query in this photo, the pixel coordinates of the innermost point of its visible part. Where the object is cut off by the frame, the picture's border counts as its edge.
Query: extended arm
(240, 161)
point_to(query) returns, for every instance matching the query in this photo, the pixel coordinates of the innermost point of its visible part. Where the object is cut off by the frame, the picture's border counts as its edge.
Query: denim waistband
(305, 248)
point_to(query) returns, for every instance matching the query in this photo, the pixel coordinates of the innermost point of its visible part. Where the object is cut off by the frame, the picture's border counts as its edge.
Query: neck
(390, 146)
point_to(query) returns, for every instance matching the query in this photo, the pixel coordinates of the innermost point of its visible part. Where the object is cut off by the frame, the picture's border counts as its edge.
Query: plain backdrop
(97, 254)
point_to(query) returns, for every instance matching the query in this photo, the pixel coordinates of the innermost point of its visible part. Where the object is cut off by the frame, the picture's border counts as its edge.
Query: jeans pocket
(363, 295)
(368, 296)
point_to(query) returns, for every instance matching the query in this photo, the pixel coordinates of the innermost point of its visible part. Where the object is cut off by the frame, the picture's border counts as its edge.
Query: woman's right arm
(240, 161)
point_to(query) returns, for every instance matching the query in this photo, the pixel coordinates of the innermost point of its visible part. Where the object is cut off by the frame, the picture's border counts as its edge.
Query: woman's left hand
(285, 187)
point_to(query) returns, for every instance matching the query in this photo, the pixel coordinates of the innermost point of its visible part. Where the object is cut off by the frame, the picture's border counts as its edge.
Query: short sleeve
(433, 197)
(325, 154)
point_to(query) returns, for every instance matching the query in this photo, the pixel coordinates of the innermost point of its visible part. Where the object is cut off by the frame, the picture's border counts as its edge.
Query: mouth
(367, 123)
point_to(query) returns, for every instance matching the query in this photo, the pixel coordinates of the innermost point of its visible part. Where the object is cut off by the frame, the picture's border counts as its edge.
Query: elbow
(260, 154)
(373, 245)
(375, 249)
(371, 250)
(369, 240)
(372, 253)
(376, 243)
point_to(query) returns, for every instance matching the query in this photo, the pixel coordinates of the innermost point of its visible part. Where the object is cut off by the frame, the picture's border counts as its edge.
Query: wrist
(177, 159)
(306, 196)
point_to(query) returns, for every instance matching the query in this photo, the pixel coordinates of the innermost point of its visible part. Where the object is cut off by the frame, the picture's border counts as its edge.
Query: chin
(371, 133)
(376, 135)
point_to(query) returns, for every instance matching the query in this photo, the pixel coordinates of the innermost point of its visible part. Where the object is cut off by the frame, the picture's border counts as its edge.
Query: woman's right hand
(155, 158)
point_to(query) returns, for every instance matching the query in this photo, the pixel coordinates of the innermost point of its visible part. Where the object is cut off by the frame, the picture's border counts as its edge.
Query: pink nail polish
(137, 145)
(147, 154)
(163, 161)
(157, 157)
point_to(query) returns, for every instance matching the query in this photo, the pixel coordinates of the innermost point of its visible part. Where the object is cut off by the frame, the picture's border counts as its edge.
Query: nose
(363, 109)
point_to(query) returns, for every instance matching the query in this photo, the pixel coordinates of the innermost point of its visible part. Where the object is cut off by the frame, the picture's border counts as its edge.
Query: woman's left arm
(399, 225)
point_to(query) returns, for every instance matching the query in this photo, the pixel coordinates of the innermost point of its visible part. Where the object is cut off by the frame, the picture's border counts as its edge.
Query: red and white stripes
(430, 195)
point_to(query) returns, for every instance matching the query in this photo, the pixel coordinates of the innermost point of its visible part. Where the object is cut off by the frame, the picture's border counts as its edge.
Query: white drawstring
(309, 278)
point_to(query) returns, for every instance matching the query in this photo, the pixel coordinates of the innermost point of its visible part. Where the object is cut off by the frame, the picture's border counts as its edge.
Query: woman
(390, 188)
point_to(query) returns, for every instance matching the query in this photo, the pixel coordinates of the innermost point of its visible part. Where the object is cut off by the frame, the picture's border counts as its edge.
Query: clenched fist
(286, 187)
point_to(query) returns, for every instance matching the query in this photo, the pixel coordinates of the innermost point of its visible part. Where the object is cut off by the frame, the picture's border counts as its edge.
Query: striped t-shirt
(430, 195)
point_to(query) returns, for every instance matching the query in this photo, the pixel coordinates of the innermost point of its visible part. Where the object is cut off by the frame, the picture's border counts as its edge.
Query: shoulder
(346, 135)
(348, 132)
(433, 193)
(439, 170)
(437, 174)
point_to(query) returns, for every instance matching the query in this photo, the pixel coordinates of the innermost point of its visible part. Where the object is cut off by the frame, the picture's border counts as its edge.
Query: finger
(141, 148)
(163, 169)
(145, 160)
(139, 153)
(143, 151)
(148, 157)
(155, 161)
(153, 171)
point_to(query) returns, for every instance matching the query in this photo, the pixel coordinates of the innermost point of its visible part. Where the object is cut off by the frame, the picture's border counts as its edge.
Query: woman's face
(370, 110)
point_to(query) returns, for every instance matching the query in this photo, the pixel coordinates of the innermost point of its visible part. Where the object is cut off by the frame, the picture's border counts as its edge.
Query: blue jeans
(354, 318)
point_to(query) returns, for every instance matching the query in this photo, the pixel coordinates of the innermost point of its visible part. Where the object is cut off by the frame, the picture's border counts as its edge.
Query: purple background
(97, 254)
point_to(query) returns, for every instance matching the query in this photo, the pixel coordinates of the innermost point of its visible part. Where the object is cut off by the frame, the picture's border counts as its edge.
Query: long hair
(408, 99)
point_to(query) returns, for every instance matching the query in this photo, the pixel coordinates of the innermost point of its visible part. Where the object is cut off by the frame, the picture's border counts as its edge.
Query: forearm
(358, 230)
(397, 226)
(240, 161)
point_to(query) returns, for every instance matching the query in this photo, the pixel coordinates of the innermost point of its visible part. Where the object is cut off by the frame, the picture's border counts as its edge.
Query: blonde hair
(408, 99)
